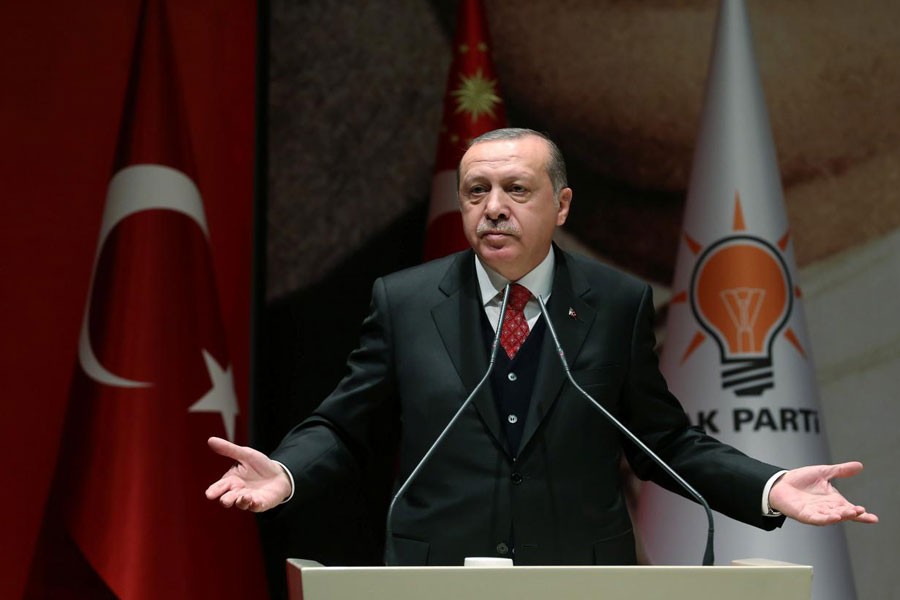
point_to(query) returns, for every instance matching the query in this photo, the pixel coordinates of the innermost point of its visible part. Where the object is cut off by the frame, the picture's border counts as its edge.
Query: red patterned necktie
(515, 327)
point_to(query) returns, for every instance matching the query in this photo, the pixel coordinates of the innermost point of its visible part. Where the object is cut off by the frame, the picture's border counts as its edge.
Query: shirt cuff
(291, 478)
(766, 509)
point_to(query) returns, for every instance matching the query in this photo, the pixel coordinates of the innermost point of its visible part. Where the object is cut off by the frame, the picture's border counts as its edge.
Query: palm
(806, 495)
(254, 482)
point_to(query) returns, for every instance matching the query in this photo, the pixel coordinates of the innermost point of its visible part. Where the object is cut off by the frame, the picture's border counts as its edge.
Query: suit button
(517, 478)
(513, 419)
(502, 548)
(512, 376)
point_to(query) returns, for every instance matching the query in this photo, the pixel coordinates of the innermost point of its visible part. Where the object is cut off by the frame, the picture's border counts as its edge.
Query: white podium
(750, 579)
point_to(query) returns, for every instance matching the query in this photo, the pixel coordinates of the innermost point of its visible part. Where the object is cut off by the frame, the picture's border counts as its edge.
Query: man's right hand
(255, 482)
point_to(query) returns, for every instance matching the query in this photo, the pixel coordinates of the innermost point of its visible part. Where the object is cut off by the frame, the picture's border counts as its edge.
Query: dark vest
(512, 381)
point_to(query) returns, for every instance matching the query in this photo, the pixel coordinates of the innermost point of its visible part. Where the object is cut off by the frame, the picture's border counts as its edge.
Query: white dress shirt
(538, 281)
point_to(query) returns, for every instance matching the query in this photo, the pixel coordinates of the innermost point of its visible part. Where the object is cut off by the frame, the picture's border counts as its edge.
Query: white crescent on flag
(132, 190)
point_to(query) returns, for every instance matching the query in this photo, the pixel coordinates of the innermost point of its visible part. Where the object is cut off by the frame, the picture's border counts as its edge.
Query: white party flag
(736, 350)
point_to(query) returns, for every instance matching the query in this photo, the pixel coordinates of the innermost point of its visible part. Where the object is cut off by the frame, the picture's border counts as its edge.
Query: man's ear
(565, 201)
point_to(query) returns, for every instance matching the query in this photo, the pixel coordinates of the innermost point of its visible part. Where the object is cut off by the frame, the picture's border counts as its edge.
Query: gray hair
(556, 166)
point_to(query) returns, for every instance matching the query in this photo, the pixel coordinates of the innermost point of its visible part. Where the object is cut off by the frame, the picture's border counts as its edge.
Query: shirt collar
(538, 281)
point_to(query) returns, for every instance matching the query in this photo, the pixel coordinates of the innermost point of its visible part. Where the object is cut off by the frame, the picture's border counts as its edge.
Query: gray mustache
(485, 228)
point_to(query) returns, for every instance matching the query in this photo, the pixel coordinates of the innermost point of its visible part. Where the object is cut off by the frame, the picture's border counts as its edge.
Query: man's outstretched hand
(806, 495)
(255, 482)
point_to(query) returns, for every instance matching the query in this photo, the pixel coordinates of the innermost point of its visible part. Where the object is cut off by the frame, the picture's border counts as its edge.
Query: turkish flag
(154, 379)
(472, 106)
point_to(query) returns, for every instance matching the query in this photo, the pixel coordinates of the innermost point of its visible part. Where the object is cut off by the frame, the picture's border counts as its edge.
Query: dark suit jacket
(559, 501)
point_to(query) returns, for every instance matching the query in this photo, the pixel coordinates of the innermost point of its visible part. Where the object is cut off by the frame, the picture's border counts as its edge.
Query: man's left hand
(806, 495)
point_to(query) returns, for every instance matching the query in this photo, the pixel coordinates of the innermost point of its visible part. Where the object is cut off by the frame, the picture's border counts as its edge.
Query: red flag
(155, 380)
(472, 106)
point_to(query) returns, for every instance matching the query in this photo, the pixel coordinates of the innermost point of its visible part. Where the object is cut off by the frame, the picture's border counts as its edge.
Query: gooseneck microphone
(389, 530)
(708, 558)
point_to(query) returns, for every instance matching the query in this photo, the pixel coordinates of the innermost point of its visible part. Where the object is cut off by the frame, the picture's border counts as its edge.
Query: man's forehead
(502, 168)
(521, 153)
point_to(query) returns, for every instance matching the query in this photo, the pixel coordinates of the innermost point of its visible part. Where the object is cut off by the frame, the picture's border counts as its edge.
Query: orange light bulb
(741, 295)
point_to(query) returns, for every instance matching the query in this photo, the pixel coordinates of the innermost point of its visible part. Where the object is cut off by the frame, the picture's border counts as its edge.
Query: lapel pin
(572, 313)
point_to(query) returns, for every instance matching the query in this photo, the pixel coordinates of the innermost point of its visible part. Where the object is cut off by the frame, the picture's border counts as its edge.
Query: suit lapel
(572, 318)
(458, 320)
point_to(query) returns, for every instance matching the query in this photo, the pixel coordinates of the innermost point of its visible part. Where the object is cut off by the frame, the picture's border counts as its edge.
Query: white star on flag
(221, 397)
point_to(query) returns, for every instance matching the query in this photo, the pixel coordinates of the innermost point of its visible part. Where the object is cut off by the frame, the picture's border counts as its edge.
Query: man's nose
(496, 206)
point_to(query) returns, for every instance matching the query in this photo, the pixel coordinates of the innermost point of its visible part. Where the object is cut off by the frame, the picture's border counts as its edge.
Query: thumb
(225, 448)
(842, 470)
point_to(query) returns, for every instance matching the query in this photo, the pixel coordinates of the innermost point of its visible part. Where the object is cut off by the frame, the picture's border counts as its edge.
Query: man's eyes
(478, 190)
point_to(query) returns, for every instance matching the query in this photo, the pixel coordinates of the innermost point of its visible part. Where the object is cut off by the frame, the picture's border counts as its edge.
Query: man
(530, 471)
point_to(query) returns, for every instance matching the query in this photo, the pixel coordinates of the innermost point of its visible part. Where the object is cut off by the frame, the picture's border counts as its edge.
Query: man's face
(507, 205)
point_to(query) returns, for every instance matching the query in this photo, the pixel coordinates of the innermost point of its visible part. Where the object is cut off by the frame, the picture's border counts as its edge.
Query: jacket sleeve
(730, 481)
(356, 421)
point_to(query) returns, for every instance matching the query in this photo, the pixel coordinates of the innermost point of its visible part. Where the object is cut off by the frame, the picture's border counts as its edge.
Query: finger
(845, 512)
(230, 498)
(227, 499)
(226, 448)
(244, 502)
(866, 517)
(214, 491)
(247, 501)
(221, 486)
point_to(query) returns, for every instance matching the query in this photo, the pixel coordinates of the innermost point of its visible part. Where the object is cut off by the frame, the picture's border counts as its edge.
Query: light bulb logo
(741, 294)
